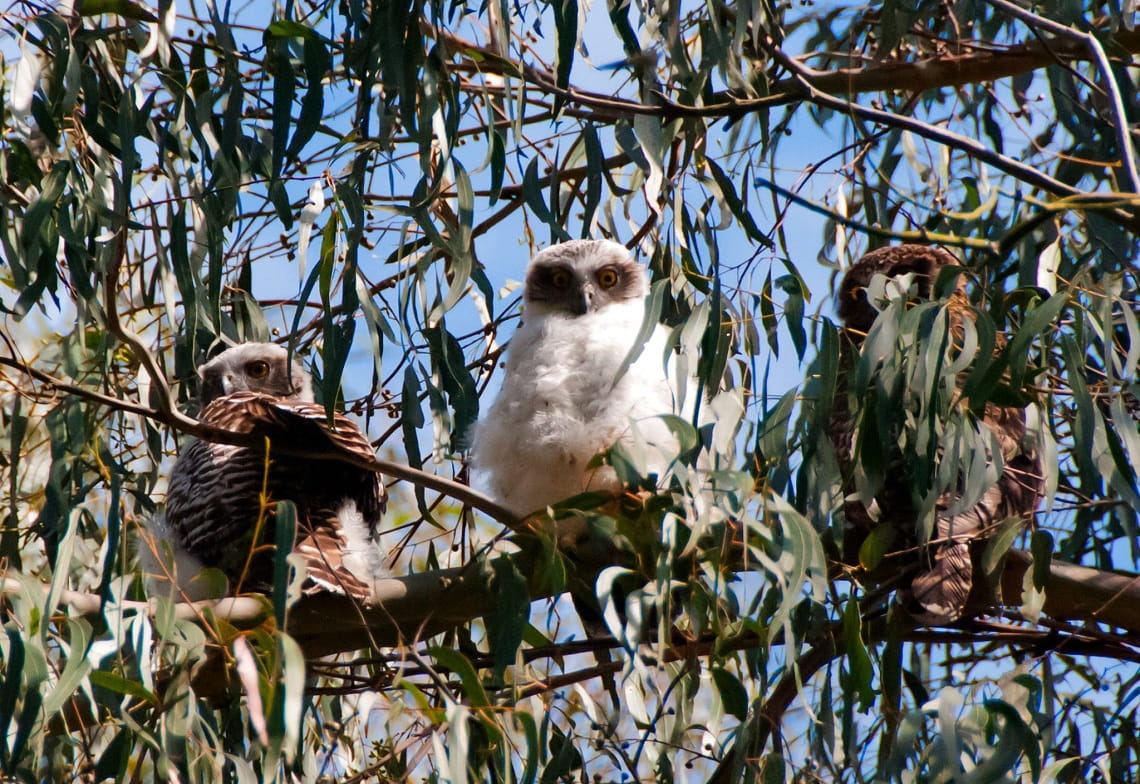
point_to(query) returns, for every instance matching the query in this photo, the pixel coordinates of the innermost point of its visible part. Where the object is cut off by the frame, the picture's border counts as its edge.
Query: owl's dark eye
(561, 279)
(257, 369)
(607, 277)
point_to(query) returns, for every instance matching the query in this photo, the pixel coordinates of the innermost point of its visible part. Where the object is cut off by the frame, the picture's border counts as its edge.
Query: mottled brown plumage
(945, 571)
(218, 492)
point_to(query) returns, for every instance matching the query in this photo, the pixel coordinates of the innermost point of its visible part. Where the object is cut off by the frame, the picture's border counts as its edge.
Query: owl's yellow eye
(257, 369)
(561, 279)
(607, 277)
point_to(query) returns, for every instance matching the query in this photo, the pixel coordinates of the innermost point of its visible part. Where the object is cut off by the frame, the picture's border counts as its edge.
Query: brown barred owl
(944, 572)
(214, 503)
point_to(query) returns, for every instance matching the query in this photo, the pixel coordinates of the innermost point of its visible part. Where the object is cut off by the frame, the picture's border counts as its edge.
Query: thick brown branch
(956, 141)
(1078, 593)
(956, 70)
(945, 71)
(416, 606)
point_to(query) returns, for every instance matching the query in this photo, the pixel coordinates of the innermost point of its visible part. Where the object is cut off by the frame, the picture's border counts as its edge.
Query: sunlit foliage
(365, 183)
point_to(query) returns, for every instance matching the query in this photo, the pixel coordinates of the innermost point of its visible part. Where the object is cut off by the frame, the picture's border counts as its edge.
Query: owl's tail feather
(342, 557)
(942, 590)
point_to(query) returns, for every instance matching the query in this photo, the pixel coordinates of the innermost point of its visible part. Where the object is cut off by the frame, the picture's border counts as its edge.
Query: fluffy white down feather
(359, 552)
(562, 402)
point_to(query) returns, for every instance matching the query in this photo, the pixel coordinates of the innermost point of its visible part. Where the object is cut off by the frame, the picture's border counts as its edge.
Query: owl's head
(583, 276)
(255, 367)
(921, 262)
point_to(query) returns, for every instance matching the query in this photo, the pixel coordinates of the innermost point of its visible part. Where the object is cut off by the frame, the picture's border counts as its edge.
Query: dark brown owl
(1006, 473)
(221, 498)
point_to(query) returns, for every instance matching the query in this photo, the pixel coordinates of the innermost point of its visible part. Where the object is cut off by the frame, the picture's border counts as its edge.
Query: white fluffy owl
(564, 397)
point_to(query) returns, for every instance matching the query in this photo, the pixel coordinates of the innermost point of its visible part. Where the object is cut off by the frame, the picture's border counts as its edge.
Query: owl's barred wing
(295, 427)
(291, 424)
(943, 589)
(324, 564)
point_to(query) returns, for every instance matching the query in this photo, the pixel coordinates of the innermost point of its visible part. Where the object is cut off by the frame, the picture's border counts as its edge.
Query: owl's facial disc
(556, 287)
(578, 277)
(604, 280)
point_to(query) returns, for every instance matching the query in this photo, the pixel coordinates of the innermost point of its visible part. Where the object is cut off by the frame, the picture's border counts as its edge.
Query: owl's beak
(584, 305)
(227, 384)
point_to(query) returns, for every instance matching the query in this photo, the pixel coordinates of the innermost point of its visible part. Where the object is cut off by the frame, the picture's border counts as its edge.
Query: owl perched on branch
(573, 389)
(567, 394)
(989, 456)
(221, 497)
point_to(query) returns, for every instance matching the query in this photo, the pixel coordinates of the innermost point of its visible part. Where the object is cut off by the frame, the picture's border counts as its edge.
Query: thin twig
(1123, 134)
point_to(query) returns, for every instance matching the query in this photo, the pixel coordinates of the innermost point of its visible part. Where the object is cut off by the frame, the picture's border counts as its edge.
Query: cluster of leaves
(162, 177)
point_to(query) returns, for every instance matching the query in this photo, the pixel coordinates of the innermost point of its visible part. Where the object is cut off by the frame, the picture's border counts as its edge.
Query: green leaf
(726, 194)
(595, 173)
(10, 691)
(76, 669)
(284, 533)
(766, 305)
(293, 674)
(877, 544)
(566, 39)
(794, 312)
(47, 203)
(510, 608)
(317, 64)
(35, 672)
(532, 193)
(498, 166)
(411, 415)
(732, 693)
(458, 383)
(530, 732)
(564, 757)
(279, 63)
(1037, 321)
(287, 28)
(999, 543)
(456, 662)
(1016, 738)
(860, 672)
(123, 8)
(120, 685)
(115, 758)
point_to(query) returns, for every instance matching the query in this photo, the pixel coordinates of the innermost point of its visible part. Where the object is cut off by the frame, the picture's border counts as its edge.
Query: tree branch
(935, 73)
(416, 606)
(1079, 593)
(971, 147)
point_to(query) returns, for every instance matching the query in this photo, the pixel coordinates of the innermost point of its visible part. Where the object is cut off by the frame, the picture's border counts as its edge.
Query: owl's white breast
(562, 401)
